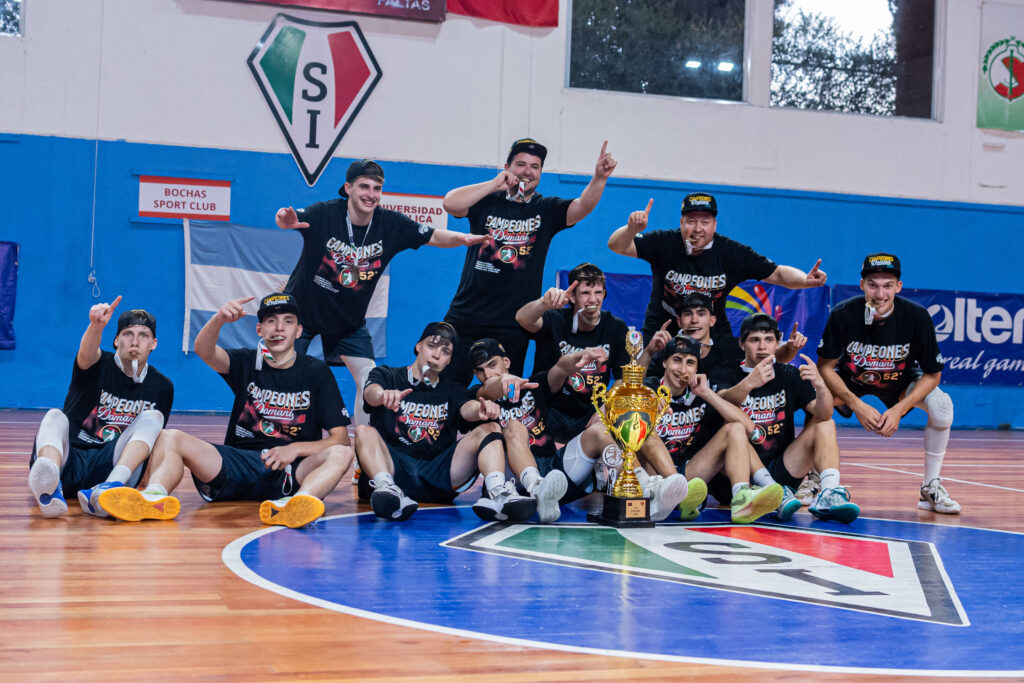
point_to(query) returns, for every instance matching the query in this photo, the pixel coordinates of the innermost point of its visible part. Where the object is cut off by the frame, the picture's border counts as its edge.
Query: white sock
(932, 466)
(829, 478)
(762, 478)
(121, 474)
(493, 481)
(383, 479)
(736, 488)
(529, 476)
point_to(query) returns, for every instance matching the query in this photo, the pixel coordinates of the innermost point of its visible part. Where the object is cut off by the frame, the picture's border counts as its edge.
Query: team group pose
(423, 435)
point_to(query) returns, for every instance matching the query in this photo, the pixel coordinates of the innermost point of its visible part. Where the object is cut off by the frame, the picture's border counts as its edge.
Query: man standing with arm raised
(500, 277)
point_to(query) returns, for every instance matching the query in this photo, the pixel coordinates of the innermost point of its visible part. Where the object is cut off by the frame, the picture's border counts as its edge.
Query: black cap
(363, 167)
(758, 322)
(528, 145)
(275, 303)
(700, 201)
(484, 350)
(440, 329)
(136, 316)
(696, 300)
(680, 343)
(881, 263)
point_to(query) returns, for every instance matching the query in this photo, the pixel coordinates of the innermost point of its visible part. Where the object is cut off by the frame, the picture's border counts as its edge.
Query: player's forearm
(458, 201)
(922, 388)
(530, 316)
(89, 347)
(788, 277)
(729, 411)
(374, 395)
(447, 239)
(581, 207)
(834, 382)
(736, 394)
(621, 241)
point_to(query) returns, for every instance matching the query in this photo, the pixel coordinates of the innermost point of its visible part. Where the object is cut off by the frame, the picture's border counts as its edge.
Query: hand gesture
(558, 298)
(638, 219)
(100, 314)
(276, 458)
(605, 163)
(505, 180)
(699, 385)
(233, 310)
(762, 373)
(809, 371)
(513, 386)
(392, 398)
(659, 340)
(592, 354)
(869, 418)
(287, 218)
(816, 277)
(889, 422)
(472, 240)
(489, 410)
(796, 339)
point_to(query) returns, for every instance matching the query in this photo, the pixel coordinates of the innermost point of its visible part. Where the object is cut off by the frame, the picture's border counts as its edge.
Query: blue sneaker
(789, 505)
(44, 481)
(89, 499)
(834, 505)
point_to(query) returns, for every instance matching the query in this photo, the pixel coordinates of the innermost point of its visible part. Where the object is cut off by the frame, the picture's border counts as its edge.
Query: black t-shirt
(532, 411)
(725, 350)
(882, 358)
(274, 407)
(555, 340)
(687, 426)
(500, 276)
(428, 420)
(771, 406)
(714, 273)
(102, 401)
(336, 275)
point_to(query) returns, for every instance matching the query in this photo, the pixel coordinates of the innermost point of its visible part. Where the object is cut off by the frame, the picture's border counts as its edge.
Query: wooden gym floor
(90, 599)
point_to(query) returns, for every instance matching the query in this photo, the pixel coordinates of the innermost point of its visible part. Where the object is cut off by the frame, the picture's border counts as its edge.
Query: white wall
(174, 72)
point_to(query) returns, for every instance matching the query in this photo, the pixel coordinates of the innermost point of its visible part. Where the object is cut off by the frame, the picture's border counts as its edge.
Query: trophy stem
(627, 485)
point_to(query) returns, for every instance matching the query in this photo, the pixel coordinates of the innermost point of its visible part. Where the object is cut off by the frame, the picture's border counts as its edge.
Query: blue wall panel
(49, 204)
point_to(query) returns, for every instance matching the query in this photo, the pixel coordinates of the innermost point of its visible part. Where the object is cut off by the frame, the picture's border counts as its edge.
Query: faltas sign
(315, 78)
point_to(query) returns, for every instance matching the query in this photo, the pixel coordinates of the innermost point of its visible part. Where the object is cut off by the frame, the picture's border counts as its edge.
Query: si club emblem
(315, 78)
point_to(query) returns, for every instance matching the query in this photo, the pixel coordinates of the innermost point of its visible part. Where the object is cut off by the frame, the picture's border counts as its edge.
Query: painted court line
(918, 474)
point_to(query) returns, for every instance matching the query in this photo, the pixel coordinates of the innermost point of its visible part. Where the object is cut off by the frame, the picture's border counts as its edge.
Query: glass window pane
(687, 48)
(863, 56)
(10, 17)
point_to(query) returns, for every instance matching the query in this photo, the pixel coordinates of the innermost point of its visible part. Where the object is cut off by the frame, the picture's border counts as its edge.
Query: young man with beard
(707, 436)
(274, 450)
(346, 245)
(115, 407)
(770, 393)
(409, 454)
(558, 476)
(499, 277)
(884, 345)
(697, 258)
(561, 331)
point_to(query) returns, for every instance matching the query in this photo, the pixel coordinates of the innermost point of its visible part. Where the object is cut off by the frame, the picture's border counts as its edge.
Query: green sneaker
(753, 502)
(696, 494)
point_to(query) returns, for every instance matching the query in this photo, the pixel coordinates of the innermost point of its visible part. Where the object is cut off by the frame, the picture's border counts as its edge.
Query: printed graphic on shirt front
(420, 422)
(111, 417)
(349, 266)
(680, 427)
(581, 382)
(769, 414)
(530, 415)
(678, 285)
(274, 414)
(512, 242)
(875, 366)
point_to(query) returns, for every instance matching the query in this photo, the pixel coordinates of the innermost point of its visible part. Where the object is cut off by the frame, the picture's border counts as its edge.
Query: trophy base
(623, 513)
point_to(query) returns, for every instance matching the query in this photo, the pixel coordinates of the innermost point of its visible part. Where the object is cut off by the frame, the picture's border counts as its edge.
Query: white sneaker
(665, 494)
(809, 489)
(935, 497)
(505, 504)
(388, 502)
(547, 492)
(44, 481)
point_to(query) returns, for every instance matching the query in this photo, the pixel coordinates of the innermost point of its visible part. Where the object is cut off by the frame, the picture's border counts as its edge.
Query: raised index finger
(664, 327)
(114, 303)
(795, 325)
(604, 148)
(650, 203)
(572, 287)
(245, 300)
(818, 263)
(806, 359)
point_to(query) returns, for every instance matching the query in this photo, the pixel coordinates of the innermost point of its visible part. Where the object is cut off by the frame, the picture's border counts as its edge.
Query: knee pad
(488, 439)
(146, 427)
(939, 407)
(53, 431)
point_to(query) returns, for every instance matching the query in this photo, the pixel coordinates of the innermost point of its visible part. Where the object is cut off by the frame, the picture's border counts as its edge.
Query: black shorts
(85, 467)
(889, 397)
(243, 476)
(554, 462)
(777, 468)
(359, 344)
(564, 427)
(425, 481)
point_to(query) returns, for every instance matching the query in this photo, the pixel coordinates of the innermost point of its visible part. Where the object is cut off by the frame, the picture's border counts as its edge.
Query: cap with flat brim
(700, 201)
(881, 263)
(528, 145)
(276, 303)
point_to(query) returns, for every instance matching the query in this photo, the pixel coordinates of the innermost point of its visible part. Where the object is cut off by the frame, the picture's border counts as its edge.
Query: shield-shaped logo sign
(315, 77)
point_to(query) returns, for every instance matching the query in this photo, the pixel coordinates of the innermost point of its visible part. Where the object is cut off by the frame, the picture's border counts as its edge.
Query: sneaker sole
(519, 510)
(941, 509)
(129, 505)
(88, 505)
(844, 512)
(386, 506)
(669, 498)
(297, 512)
(551, 490)
(696, 493)
(767, 500)
(786, 512)
(44, 484)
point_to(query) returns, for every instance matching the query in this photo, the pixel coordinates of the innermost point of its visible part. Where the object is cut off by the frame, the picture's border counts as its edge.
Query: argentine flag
(225, 262)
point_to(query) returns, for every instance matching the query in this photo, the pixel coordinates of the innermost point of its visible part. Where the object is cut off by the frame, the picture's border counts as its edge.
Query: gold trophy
(629, 412)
